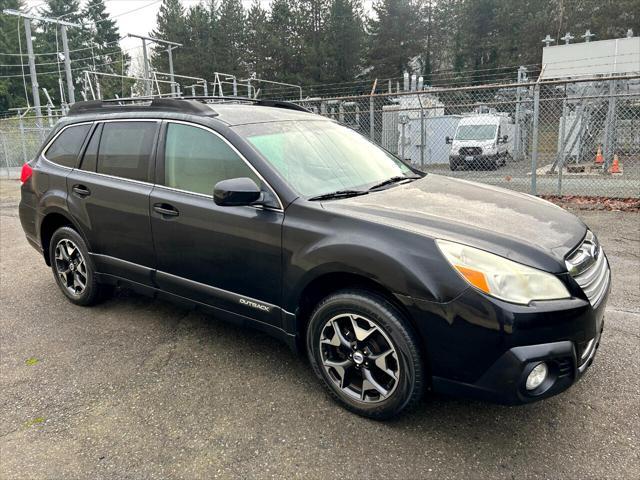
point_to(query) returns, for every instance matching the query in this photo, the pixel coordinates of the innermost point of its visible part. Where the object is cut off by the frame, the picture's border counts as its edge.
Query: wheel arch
(52, 221)
(326, 284)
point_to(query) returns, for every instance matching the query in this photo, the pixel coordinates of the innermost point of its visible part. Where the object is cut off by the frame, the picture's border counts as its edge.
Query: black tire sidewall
(411, 382)
(91, 291)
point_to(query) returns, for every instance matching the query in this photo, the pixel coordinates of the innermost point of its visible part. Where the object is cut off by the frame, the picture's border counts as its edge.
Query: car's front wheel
(72, 267)
(366, 354)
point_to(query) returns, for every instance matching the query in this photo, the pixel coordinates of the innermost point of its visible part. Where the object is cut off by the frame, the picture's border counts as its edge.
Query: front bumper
(484, 348)
(504, 381)
(470, 159)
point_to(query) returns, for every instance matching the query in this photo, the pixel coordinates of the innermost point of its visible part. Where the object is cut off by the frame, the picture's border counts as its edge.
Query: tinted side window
(90, 158)
(65, 149)
(196, 159)
(125, 149)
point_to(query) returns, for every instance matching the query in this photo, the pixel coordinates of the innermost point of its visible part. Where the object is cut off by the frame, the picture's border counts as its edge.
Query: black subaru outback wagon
(392, 281)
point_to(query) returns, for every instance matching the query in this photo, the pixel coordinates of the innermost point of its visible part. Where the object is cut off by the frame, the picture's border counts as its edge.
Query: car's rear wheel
(72, 267)
(366, 354)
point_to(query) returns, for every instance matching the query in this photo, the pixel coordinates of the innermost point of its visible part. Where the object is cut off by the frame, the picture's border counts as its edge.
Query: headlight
(500, 277)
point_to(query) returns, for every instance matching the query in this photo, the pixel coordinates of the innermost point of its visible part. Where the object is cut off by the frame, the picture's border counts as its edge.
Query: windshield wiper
(339, 194)
(391, 180)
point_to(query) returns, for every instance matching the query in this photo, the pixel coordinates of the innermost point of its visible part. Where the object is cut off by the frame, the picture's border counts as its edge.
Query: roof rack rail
(256, 101)
(196, 105)
(141, 104)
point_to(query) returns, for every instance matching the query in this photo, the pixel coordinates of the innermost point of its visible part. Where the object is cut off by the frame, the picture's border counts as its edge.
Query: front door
(108, 195)
(226, 257)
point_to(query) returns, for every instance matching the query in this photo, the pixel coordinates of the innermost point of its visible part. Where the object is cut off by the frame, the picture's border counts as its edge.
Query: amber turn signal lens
(474, 277)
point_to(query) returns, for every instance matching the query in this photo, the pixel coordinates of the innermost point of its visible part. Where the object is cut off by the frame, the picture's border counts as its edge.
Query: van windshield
(319, 157)
(476, 132)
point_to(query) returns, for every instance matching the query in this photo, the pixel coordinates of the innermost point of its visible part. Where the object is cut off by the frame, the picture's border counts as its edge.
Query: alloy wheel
(359, 358)
(71, 267)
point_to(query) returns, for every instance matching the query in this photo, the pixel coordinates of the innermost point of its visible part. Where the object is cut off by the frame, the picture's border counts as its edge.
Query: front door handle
(166, 210)
(81, 190)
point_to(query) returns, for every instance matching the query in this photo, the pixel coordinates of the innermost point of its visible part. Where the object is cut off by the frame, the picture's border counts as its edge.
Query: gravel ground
(139, 388)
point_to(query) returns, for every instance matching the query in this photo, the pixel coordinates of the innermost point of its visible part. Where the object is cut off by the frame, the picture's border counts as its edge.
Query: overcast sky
(143, 20)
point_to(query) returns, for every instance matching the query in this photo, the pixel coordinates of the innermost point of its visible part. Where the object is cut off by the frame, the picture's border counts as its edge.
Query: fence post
(22, 132)
(563, 144)
(534, 148)
(6, 154)
(609, 127)
(372, 120)
(422, 135)
(402, 129)
(517, 141)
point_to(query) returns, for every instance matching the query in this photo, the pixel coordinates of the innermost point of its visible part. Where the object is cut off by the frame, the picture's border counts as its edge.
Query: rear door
(109, 197)
(226, 257)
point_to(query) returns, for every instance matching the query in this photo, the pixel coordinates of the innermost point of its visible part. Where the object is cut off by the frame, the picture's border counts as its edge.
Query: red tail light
(26, 173)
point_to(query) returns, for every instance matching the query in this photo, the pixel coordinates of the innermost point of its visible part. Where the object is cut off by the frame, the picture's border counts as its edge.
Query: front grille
(589, 267)
(470, 151)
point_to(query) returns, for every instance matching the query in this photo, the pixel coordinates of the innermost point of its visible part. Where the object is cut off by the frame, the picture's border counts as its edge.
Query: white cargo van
(481, 141)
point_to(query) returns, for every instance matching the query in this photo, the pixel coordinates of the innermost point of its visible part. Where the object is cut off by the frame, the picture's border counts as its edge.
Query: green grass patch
(34, 421)
(31, 361)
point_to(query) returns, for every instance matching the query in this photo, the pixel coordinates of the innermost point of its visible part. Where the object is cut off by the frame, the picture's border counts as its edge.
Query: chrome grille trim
(589, 267)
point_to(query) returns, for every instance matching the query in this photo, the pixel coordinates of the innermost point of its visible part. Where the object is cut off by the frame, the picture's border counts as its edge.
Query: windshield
(476, 132)
(319, 157)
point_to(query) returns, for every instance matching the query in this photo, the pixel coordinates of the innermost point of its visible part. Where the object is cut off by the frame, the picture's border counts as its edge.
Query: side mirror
(505, 138)
(236, 192)
(448, 140)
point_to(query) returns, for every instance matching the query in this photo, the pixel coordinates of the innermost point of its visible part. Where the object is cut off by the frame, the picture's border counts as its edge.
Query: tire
(68, 249)
(358, 366)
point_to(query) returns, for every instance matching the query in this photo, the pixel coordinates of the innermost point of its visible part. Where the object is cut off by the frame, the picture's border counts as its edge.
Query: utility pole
(35, 88)
(147, 79)
(145, 59)
(32, 64)
(67, 64)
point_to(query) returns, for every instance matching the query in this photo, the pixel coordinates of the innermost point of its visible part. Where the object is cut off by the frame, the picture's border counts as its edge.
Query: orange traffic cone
(615, 167)
(599, 158)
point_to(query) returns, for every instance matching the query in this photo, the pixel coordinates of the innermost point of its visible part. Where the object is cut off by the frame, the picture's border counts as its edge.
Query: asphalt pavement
(140, 388)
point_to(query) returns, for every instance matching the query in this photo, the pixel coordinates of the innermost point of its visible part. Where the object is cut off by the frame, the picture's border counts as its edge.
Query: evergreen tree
(257, 52)
(231, 38)
(171, 26)
(345, 38)
(199, 50)
(396, 36)
(11, 89)
(284, 43)
(312, 18)
(104, 42)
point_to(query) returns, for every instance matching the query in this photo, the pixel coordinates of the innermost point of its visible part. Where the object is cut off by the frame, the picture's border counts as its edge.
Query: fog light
(537, 376)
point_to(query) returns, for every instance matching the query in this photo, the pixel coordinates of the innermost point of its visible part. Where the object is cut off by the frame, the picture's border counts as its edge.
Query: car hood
(511, 224)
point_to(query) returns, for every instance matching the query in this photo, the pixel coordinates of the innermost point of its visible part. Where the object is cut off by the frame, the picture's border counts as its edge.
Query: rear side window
(66, 147)
(90, 159)
(125, 149)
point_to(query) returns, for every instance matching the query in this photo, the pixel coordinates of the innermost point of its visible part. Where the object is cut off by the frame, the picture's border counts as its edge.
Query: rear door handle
(166, 209)
(81, 190)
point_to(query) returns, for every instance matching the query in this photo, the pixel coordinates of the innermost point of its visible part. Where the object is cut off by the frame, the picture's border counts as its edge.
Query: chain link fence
(20, 139)
(554, 138)
(578, 137)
